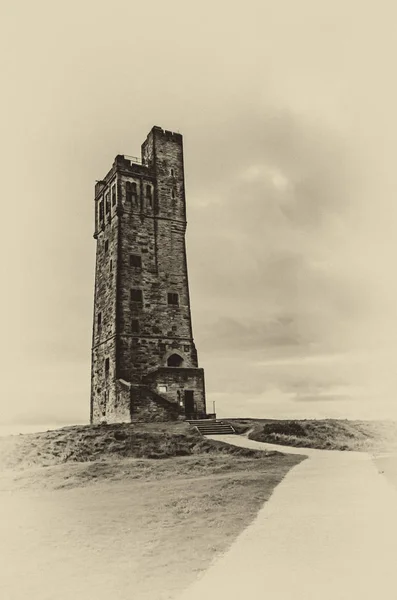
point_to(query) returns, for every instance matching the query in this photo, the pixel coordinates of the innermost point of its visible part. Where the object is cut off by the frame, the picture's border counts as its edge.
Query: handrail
(134, 159)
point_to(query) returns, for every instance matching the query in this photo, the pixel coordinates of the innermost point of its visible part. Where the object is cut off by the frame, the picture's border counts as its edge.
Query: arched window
(175, 361)
(101, 211)
(107, 203)
(148, 195)
(131, 192)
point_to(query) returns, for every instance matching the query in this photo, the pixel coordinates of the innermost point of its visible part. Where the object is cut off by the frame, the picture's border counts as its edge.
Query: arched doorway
(175, 360)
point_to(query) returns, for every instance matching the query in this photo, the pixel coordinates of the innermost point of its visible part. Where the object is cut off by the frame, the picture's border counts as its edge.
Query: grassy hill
(123, 510)
(84, 443)
(327, 434)
(141, 509)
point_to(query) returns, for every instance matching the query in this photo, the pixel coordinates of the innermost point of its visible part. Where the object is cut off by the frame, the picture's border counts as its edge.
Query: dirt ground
(126, 528)
(387, 465)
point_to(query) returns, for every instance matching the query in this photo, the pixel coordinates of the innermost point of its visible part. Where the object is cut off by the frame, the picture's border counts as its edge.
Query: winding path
(329, 531)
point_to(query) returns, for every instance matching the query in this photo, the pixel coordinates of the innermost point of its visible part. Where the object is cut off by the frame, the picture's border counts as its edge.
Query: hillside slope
(327, 434)
(85, 443)
(97, 512)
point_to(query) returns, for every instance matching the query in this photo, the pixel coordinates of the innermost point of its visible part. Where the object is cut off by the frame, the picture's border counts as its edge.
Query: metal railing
(134, 159)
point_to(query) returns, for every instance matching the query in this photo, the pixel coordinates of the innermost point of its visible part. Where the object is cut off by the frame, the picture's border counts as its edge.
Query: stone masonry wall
(140, 225)
(177, 380)
(157, 234)
(103, 393)
(148, 406)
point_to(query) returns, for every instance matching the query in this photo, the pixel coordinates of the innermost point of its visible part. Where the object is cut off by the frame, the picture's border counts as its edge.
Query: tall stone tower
(144, 361)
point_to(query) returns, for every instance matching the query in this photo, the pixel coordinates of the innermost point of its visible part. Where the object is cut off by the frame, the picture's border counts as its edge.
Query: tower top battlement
(146, 162)
(165, 133)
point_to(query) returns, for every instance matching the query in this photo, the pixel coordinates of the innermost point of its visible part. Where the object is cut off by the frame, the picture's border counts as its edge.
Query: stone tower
(144, 361)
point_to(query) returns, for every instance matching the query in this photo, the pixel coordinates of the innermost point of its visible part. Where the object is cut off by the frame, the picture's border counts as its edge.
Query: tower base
(165, 394)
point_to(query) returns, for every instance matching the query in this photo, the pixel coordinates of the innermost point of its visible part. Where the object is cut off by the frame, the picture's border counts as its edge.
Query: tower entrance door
(190, 410)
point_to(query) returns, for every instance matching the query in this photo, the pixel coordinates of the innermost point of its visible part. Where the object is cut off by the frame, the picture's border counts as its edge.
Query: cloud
(271, 255)
(249, 334)
(322, 398)
(288, 269)
(290, 190)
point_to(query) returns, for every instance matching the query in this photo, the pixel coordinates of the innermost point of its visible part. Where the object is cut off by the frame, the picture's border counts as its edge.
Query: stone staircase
(147, 404)
(212, 427)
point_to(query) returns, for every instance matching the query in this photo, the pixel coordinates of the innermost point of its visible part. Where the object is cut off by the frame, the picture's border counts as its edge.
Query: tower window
(111, 265)
(173, 193)
(106, 245)
(175, 361)
(149, 193)
(136, 295)
(107, 203)
(135, 261)
(107, 366)
(114, 195)
(135, 326)
(173, 298)
(128, 191)
(131, 191)
(172, 173)
(101, 210)
(99, 319)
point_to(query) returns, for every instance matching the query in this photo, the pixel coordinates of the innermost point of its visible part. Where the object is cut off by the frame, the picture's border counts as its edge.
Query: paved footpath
(329, 531)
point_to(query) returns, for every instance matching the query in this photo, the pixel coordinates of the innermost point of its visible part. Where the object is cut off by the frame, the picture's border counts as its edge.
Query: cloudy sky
(288, 111)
